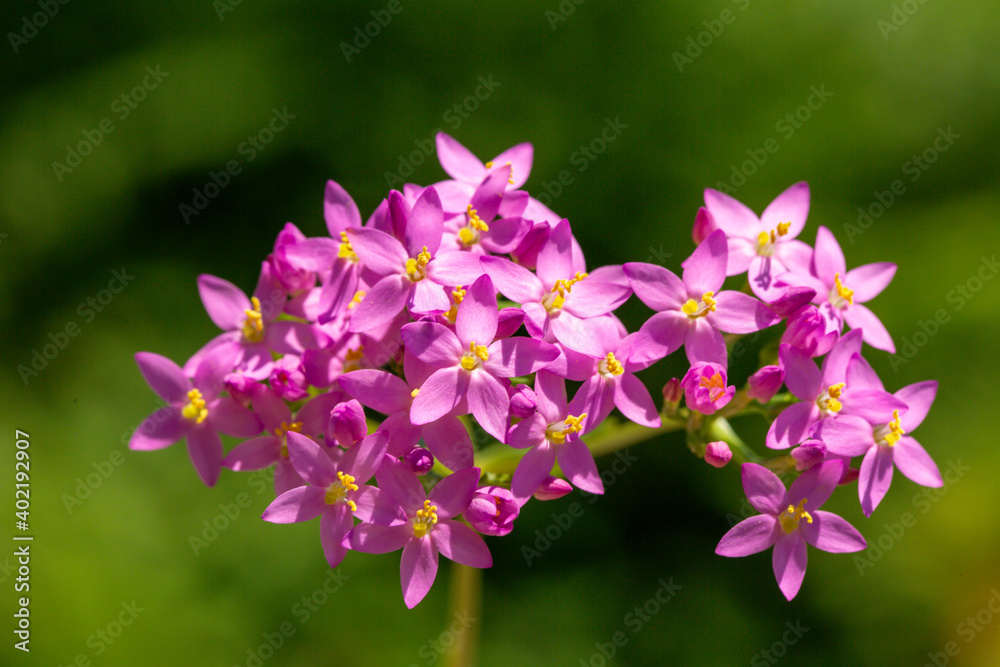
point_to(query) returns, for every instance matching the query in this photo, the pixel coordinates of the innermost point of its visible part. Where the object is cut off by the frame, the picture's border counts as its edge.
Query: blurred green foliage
(690, 115)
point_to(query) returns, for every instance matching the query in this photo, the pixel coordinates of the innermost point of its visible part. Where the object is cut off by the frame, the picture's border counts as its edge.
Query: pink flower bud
(292, 278)
(810, 453)
(492, 510)
(552, 488)
(522, 400)
(419, 460)
(347, 423)
(705, 387)
(809, 331)
(704, 224)
(765, 383)
(672, 391)
(718, 454)
(791, 300)
(241, 387)
(288, 379)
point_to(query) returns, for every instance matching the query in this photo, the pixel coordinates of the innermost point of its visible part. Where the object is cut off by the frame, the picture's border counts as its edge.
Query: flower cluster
(405, 377)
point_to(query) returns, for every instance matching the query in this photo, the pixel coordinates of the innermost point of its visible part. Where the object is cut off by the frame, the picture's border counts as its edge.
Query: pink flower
(492, 510)
(789, 520)
(718, 454)
(705, 387)
(468, 171)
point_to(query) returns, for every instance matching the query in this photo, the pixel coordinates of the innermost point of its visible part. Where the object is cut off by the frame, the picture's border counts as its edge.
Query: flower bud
(810, 453)
(704, 225)
(347, 423)
(552, 488)
(522, 400)
(809, 331)
(765, 383)
(419, 460)
(241, 387)
(292, 278)
(492, 510)
(718, 454)
(288, 379)
(791, 299)
(672, 391)
(705, 387)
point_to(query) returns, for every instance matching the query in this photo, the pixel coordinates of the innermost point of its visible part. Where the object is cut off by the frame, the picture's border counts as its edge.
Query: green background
(685, 127)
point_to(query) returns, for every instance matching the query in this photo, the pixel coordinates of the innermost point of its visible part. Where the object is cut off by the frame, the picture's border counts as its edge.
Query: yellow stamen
(894, 430)
(338, 491)
(693, 309)
(783, 228)
(559, 291)
(477, 354)
(766, 240)
(352, 358)
(572, 425)
(489, 165)
(416, 268)
(413, 394)
(790, 518)
(282, 432)
(715, 385)
(475, 222)
(828, 400)
(195, 409)
(346, 251)
(425, 519)
(845, 296)
(253, 326)
(358, 296)
(610, 366)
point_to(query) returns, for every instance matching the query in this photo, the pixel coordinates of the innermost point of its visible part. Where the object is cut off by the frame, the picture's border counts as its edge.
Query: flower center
(425, 519)
(457, 295)
(889, 434)
(766, 241)
(253, 325)
(358, 296)
(470, 234)
(282, 432)
(352, 360)
(195, 409)
(489, 165)
(695, 309)
(571, 424)
(828, 401)
(715, 384)
(840, 296)
(553, 301)
(337, 492)
(790, 517)
(610, 366)
(417, 268)
(346, 251)
(476, 356)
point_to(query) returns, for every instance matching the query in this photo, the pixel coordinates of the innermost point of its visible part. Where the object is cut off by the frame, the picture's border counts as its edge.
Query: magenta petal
(505, 235)
(874, 477)
(763, 489)
(914, 462)
(513, 281)
(364, 458)
(333, 525)
(634, 401)
(225, 302)
(828, 258)
(789, 563)
(831, 533)
(381, 303)
(577, 463)
(657, 287)
(918, 398)
(378, 507)
(531, 471)
(875, 333)
(433, 343)
(816, 484)
(425, 224)
(453, 494)
(160, 429)
(378, 251)
(520, 158)
(440, 394)
(802, 377)
(401, 484)
(550, 395)
(370, 538)
(417, 569)
(527, 432)
(205, 448)
(872, 405)
(427, 296)
(514, 357)
(461, 544)
(310, 461)
(869, 280)
(703, 342)
(379, 390)
(490, 403)
(792, 206)
(730, 214)
(476, 321)
(845, 435)
(488, 195)
(750, 536)
(555, 259)
(299, 504)
(253, 454)
(740, 313)
(233, 418)
(449, 442)
(339, 209)
(164, 377)
(451, 269)
(457, 160)
(593, 298)
(705, 269)
(660, 335)
(792, 425)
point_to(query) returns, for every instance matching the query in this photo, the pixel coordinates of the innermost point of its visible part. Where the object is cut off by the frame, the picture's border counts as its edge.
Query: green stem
(465, 603)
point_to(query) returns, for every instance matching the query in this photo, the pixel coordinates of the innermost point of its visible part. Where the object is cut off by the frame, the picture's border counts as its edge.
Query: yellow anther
(457, 295)
(416, 268)
(715, 384)
(475, 222)
(766, 240)
(253, 325)
(783, 228)
(477, 354)
(467, 236)
(828, 399)
(337, 492)
(346, 251)
(358, 296)
(610, 366)
(489, 165)
(413, 394)
(557, 296)
(763, 238)
(571, 425)
(790, 518)
(352, 358)
(425, 519)
(844, 295)
(195, 409)
(282, 433)
(893, 430)
(694, 309)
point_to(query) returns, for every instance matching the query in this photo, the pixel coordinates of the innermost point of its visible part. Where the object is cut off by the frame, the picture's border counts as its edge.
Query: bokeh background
(697, 89)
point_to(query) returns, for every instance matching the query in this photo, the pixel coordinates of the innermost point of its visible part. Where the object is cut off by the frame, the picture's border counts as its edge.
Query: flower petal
(915, 463)
(763, 489)
(379, 390)
(449, 442)
(705, 269)
(874, 477)
(789, 563)
(816, 484)
(634, 401)
(370, 538)
(531, 471)
(253, 454)
(828, 258)
(875, 333)
(490, 403)
(382, 303)
(333, 525)
(378, 251)
(310, 460)
(832, 533)
(432, 343)
(515, 357)
(845, 435)
(440, 394)
(161, 429)
(577, 463)
(417, 570)
(792, 425)
(792, 206)
(656, 286)
(869, 280)
(918, 398)
(225, 302)
(205, 448)
(461, 544)
(339, 209)
(163, 376)
(750, 536)
(457, 160)
(740, 313)
(477, 314)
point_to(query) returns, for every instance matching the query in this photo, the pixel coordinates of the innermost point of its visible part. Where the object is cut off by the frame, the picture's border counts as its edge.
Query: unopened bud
(347, 423)
(791, 299)
(718, 454)
(810, 453)
(765, 383)
(552, 488)
(419, 460)
(704, 225)
(522, 400)
(492, 510)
